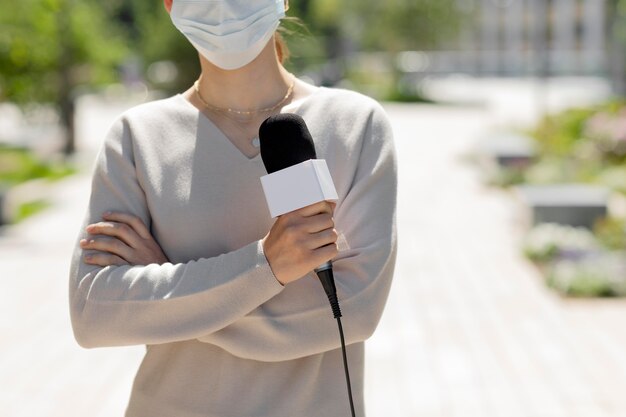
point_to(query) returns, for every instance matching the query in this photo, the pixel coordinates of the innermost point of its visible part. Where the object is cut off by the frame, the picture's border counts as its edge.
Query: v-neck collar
(300, 105)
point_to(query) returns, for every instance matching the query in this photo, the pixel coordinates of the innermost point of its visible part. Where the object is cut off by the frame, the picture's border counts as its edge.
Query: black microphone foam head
(285, 141)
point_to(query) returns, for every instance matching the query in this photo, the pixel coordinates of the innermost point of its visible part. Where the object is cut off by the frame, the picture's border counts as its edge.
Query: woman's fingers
(323, 238)
(316, 208)
(104, 259)
(326, 253)
(310, 219)
(107, 244)
(126, 238)
(122, 231)
(319, 222)
(133, 221)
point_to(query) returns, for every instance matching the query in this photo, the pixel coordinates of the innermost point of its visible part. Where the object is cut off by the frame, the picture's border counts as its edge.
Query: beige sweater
(224, 338)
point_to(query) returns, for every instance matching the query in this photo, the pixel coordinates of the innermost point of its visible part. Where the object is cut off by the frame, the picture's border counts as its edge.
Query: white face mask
(228, 33)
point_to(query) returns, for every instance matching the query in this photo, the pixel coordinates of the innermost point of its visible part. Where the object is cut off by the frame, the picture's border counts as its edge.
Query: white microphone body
(298, 186)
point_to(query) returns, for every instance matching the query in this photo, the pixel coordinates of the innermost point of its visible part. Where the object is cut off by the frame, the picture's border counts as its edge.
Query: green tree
(399, 25)
(49, 47)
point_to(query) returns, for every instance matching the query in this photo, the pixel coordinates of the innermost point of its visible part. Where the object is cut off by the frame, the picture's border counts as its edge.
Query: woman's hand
(300, 241)
(122, 239)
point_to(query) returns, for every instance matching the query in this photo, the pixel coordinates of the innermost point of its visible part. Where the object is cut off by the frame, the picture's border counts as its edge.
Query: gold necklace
(243, 112)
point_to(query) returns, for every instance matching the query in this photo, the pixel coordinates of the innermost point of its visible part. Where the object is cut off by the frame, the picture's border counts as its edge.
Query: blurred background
(510, 125)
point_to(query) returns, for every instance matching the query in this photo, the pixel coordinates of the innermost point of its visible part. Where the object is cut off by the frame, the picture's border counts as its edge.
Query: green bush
(547, 241)
(30, 208)
(585, 145)
(606, 130)
(578, 263)
(601, 275)
(611, 233)
(613, 177)
(19, 165)
(558, 134)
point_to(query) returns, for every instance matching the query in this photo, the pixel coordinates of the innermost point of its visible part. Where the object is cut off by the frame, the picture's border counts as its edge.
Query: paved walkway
(469, 329)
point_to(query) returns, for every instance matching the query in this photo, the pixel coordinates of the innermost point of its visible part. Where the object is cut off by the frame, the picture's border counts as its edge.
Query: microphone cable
(325, 274)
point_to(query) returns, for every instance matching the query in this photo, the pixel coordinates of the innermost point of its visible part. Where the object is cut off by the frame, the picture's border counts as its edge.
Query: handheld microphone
(286, 142)
(289, 156)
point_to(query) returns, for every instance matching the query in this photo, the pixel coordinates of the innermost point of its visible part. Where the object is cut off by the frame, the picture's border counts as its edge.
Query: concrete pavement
(469, 330)
(43, 372)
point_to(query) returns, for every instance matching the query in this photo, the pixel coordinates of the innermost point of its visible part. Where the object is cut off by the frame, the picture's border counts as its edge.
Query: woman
(178, 251)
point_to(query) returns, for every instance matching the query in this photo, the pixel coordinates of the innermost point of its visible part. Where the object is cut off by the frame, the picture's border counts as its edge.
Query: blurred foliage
(617, 9)
(599, 275)
(558, 134)
(548, 241)
(402, 95)
(371, 25)
(152, 38)
(570, 131)
(46, 44)
(581, 145)
(585, 140)
(606, 131)
(30, 208)
(579, 263)
(505, 176)
(381, 30)
(19, 165)
(400, 25)
(611, 232)
(613, 177)
(578, 145)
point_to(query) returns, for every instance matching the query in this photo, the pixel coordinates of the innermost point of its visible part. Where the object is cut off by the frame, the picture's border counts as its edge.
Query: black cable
(345, 365)
(328, 282)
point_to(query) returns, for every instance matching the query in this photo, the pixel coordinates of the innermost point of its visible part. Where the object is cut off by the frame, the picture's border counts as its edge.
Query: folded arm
(234, 301)
(126, 304)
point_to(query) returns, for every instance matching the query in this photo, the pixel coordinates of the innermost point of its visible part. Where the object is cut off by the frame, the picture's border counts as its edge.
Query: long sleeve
(152, 304)
(363, 272)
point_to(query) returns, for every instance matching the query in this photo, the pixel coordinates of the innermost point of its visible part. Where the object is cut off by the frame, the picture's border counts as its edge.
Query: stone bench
(509, 149)
(571, 204)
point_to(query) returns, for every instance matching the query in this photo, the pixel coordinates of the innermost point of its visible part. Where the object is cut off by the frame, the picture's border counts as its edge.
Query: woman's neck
(260, 84)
